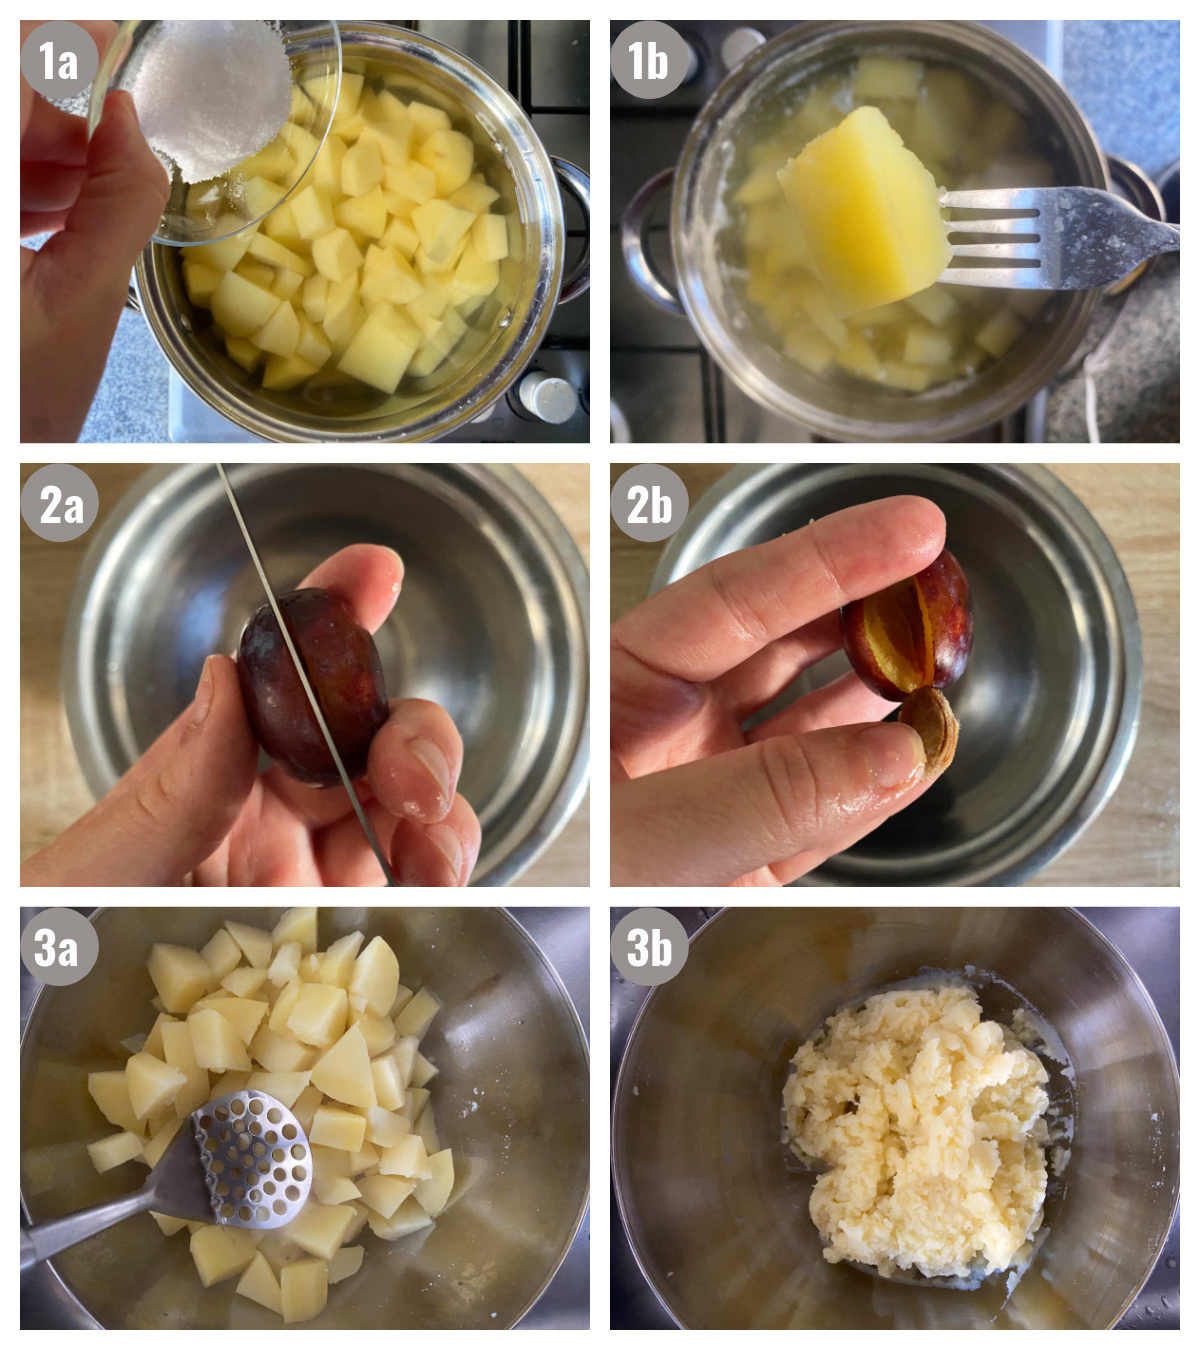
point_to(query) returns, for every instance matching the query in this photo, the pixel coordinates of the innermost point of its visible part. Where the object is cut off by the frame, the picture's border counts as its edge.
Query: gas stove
(544, 66)
(664, 384)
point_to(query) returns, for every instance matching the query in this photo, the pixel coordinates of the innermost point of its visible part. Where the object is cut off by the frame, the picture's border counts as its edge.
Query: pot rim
(531, 166)
(1068, 332)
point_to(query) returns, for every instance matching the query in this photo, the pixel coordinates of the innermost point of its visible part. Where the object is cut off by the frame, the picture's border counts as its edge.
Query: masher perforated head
(256, 1159)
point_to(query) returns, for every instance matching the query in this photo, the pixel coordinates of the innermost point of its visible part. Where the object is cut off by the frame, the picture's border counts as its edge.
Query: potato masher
(245, 1163)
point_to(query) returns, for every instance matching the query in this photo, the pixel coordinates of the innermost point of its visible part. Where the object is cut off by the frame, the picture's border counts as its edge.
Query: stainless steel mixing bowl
(719, 1223)
(511, 1098)
(492, 621)
(1050, 699)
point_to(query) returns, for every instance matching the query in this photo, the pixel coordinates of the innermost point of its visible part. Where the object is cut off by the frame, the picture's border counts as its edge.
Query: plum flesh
(343, 667)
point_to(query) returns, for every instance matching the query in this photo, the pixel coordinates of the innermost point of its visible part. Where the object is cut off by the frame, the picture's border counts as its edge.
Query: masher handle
(46, 1239)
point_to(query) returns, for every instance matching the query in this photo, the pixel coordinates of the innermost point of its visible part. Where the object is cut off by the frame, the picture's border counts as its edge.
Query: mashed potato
(931, 1124)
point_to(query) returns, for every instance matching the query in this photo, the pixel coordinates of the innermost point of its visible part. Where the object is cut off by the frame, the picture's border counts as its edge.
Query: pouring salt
(211, 92)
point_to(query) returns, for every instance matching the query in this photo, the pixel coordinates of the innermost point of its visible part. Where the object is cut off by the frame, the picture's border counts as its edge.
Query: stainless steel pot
(719, 1224)
(504, 335)
(492, 621)
(511, 1099)
(704, 293)
(1050, 700)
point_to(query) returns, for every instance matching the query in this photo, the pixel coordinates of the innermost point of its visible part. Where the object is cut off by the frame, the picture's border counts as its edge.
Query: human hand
(194, 808)
(698, 801)
(101, 201)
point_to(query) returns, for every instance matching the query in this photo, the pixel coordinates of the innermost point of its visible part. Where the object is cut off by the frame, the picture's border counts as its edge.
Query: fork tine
(1002, 252)
(1014, 225)
(992, 199)
(1006, 278)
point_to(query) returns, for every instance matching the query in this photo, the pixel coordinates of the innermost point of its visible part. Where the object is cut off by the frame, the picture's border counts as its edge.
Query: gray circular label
(650, 59)
(59, 946)
(59, 59)
(649, 946)
(649, 502)
(59, 502)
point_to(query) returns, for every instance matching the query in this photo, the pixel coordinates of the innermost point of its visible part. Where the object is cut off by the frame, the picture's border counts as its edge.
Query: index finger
(367, 576)
(712, 620)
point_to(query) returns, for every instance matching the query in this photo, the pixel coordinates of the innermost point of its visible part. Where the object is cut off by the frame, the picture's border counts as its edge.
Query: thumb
(79, 279)
(174, 806)
(783, 804)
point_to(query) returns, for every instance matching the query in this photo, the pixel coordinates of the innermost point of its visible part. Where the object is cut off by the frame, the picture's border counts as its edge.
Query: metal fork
(1051, 239)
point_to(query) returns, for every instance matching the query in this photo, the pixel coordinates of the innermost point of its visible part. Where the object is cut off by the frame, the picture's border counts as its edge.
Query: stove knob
(547, 397)
(739, 44)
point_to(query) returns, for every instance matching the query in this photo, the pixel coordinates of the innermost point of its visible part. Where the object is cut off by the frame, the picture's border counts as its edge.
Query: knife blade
(309, 693)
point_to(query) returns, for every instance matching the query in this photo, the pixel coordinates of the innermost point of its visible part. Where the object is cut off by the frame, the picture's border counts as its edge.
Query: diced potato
(312, 212)
(233, 1081)
(287, 283)
(319, 1229)
(416, 1015)
(244, 1014)
(272, 251)
(281, 225)
(220, 1253)
(386, 1194)
(451, 157)
(346, 1261)
(388, 277)
(364, 1159)
(304, 1108)
(285, 964)
(412, 180)
(427, 1130)
(217, 1045)
(335, 1127)
(386, 1128)
(389, 1087)
(362, 168)
(409, 1218)
(376, 976)
(925, 346)
(401, 236)
(1000, 332)
(114, 1150)
(281, 1053)
(489, 234)
(297, 925)
(423, 1071)
(378, 1032)
(392, 138)
(312, 297)
(366, 213)
(341, 326)
(259, 196)
(225, 254)
(336, 254)
(320, 88)
(151, 1083)
(160, 1140)
(312, 346)
(427, 119)
(319, 1015)
(169, 1225)
(408, 1158)
(302, 143)
(473, 276)
(869, 213)
(887, 77)
(245, 981)
(440, 226)
(284, 1087)
(109, 1089)
(285, 1001)
(241, 308)
(200, 280)
(303, 1288)
(259, 274)
(476, 196)
(180, 975)
(344, 1071)
(280, 333)
(433, 1193)
(248, 356)
(404, 1052)
(258, 1283)
(414, 1101)
(936, 305)
(272, 161)
(335, 1190)
(380, 352)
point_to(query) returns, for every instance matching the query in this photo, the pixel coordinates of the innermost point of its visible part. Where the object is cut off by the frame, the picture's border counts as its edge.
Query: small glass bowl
(314, 50)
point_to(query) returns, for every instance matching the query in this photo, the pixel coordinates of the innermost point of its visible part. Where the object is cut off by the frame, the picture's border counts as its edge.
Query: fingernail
(436, 765)
(448, 845)
(202, 700)
(894, 753)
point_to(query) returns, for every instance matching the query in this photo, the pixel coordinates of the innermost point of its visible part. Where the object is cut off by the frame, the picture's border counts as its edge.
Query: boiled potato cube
(321, 88)
(414, 1102)
(303, 1290)
(385, 1195)
(389, 1087)
(335, 1190)
(365, 213)
(1000, 332)
(423, 1071)
(319, 1229)
(341, 327)
(281, 225)
(925, 346)
(387, 276)
(427, 1130)
(259, 274)
(476, 196)
(312, 212)
(336, 254)
(241, 308)
(376, 976)
(326, 172)
(152, 1084)
(258, 1283)
(440, 226)
(221, 1253)
(302, 110)
(433, 1193)
(312, 346)
(271, 251)
(114, 1150)
(284, 1087)
(489, 234)
(170, 1226)
(312, 297)
(180, 975)
(386, 1128)
(304, 1108)
(233, 1081)
(401, 236)
(285, 964)
(362, 168)
(411, 180)
(388, 108)
(344, 1071)
(392, 139)
(886, 77)
(225, 254)
(216, 1043)
(473, 276)
(346, 1261)
(286, 372)
(427, 119)
(109, 1089)
(407, 1158)
(200, 279)
(416, 1015)
(378, 1032)
(280, 333)
(303, 144)
(244, 1014)
(245, 981)
(285, 1001)
(935, 305)
(404, 1052)
(260, 196)
(160, 1140)
(272, 161)
(409, 1218)
(297, 925)
(451, 157)
(379, 355)
(335, 1127)
(868, 211)
(337, 962)
(319, 1014)
(902, 375)
(427, 359)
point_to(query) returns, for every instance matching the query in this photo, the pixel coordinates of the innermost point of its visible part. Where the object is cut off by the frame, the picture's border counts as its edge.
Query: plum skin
(343, 667)
(929, 631)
